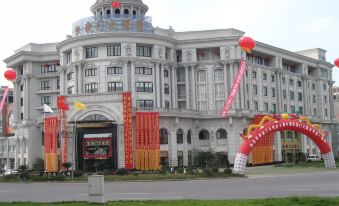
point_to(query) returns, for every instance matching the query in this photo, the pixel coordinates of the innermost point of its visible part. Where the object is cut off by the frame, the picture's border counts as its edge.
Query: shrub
(309, 161)
(227, 171)
(78, 173)
(180, 170)
(67, 165)
(215, 170)
(24, 174)
(122, 172)
(207, 172)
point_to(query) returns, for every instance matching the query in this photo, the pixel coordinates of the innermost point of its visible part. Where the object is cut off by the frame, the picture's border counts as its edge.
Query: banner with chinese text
(51, 133)
(128, 131)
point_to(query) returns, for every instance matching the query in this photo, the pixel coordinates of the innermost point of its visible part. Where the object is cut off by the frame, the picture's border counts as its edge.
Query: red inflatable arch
(274, 123)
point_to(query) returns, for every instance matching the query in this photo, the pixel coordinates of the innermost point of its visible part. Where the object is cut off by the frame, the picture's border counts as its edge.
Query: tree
(67, 165)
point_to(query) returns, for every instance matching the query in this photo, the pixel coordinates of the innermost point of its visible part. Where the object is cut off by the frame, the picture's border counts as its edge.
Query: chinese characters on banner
(63, 124)
(148, 143)
(127, 111)
(51, 126)
(235, 88)
(97, 148)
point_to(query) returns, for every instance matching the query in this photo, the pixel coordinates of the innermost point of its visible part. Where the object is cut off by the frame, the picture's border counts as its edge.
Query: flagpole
(74, 149)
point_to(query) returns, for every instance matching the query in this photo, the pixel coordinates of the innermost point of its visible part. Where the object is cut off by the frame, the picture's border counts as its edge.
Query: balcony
(114, 23)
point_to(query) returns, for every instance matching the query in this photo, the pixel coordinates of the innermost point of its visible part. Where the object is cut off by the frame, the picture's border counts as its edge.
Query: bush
(78, 173)
(215, 170)
(309, 161)
(67, 165)
(163, 170)
(58, 178)
(207, 172)
(24, 175)
(180, 170)
(122, 172)
(227, 171)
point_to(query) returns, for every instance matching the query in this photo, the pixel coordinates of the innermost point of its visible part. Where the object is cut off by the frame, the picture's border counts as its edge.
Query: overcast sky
(289, 24)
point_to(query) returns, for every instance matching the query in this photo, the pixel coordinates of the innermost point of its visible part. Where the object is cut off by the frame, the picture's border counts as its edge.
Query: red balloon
(116, 4)
(336, 62)
(10, 74)
(247, 44)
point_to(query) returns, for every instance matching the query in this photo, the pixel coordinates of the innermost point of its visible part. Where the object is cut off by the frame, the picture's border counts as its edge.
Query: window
(45, 85)
(314, 99)
(254, 74)
(144, 87)
(202, 93)
(21, 101)
(163, 136)
(255, 89)
(325, 99)
(299, 83)
(264, 76)
(323, 73)
(144, 51)
(114, 50)
(68, 57)
(115, 87)
(266, 107)
(70, 76)
(114, 70)
(167, 104)
(301, 110)
(166, 73)
(180, 136)
(91, 88)
(221, 134)
(219, 91)
(256, 107)
(58, 83)
(166, 89)
(126, 11)
(274, 108)
(22, 88)
(314, 112)
(92, 52)
(313, 86)
(292, 109)
(48, 68)
(285, 108)
(204, 135)
(189, 137)
(45, 100)
(291, 95)
(201, 76)
(218, 75)
(284, 94)
(70, 90)
(144, 103)
(22, 116)
(291, 82)
(326, 113)
(324, 87)
(90, 72)
(284, 80)
(300, 97)
(273, 92)
(143, 70)
(264, 91)
(272, 78)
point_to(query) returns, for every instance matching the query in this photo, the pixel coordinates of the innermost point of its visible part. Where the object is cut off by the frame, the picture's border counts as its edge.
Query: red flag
(61, 103)
(116, 4)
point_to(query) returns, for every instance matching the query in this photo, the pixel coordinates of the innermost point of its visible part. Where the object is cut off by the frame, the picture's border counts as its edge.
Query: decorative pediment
(89, 65)
(118, 63)
(143, 63)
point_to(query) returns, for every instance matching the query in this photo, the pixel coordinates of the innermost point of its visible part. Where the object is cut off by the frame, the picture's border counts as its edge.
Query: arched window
(221, 134)
(189, 137)
(163, 136)
(126, 11)
(134, 13)
(117, 11)
(204, 135)
(180, 136)
(108, 12)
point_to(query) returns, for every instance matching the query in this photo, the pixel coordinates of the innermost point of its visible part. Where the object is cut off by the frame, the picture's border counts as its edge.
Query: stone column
(16, 105)
(27, 99)
(132, 84)
(62, 81)
(162, 92)
(76, 80)
(194, 99)
(125, 70)
(172, 148)
(80, 78)
(187, 88)
(231, 82)
(185, 149)
(278, 155)
(157, 85)
(121, 146)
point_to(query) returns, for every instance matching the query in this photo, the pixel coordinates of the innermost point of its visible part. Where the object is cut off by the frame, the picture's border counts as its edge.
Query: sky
(289, 24)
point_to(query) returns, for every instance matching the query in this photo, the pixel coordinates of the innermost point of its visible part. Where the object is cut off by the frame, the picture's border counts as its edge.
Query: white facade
(186, 76)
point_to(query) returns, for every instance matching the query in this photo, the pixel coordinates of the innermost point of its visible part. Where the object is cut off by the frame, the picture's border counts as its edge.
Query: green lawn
(292, 201)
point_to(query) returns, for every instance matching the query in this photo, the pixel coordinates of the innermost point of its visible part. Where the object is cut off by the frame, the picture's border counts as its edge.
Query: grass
(318, 164)
(291, 201)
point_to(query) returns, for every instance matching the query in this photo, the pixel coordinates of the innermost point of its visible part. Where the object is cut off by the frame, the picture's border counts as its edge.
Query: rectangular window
(256, 107)
(292, 109)
(45, 85)
(325, 99)
(285, 108)
(22, 88)
(144, 87)
(301, 110)
(201, 92)
(324, 87)
(68, 57)
(22, 116)
(166, 89)
(167, 104)
(299, 83)
(114, 70)
(70, 76)
(58, 84)
(70, 90)
(21, 101)
(48, 68)
(314, 99)
(326, 113)
(284, 94)
(219, 75)
(45, 100)
(219, 91)
(272, 78)
(284, 80)
(274, 108)
(145, 104)
(314, 112)
(219, 105)
(144, 51)
(264, 76)
(115, 87)
(265, 91)
(91, 88)
(254, 74)
(313, 86)
(91, 52)
(266, 107)
(143, 70)
(291, 82)
(90, 72)
(273, 92)
(323, 73)
(300, 97)
(255, 89)
(291, 95)
(114, 50)
(166, 73)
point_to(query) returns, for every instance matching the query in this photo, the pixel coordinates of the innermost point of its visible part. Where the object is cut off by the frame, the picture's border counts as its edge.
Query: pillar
(187, 88)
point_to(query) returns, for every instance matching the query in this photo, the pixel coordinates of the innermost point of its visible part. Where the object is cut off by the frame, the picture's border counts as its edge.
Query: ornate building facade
(185, 76)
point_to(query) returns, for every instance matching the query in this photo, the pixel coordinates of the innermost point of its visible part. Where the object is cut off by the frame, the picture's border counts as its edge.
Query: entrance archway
(274, 123)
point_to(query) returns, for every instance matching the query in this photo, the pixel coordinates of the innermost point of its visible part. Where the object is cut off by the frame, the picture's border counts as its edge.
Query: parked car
(313, 157)
(11, 172)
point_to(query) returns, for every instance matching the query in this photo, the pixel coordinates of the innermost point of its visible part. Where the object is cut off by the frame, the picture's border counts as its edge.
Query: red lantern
(336, 62)
(247, 44)
(10, 74)
(116, 4)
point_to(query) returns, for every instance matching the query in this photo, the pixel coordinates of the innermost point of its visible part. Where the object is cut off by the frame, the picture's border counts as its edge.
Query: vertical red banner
(127, 111)
(51, 132)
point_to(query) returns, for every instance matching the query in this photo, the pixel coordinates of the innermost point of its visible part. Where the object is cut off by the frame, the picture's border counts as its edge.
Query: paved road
(324, 184)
